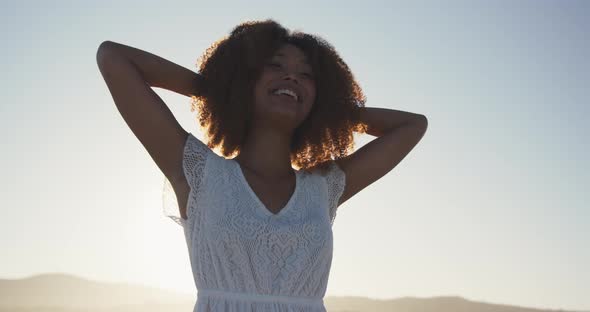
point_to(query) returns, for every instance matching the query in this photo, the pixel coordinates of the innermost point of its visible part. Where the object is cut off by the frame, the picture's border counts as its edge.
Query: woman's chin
(283, 105)
(281, 116)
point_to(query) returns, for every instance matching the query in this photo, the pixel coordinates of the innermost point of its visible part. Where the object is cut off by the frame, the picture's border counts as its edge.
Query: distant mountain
(411, 304)
(68, 293)
(71, 293)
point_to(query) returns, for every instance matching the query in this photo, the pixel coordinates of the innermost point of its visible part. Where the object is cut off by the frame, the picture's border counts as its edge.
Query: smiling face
(286, 90)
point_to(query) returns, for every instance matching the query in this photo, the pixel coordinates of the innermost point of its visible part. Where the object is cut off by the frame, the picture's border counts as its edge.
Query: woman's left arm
(397, 133)
(381, 120)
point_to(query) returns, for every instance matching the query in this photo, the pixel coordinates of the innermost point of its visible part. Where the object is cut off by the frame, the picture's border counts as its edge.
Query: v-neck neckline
(259, 204)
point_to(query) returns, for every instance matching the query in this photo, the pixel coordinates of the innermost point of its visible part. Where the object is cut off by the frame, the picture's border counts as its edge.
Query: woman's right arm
(129, 74)
(156, 71)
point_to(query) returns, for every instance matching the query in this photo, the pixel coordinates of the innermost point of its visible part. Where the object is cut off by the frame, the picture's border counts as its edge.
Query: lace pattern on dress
(194, 158)
(244, 259)
(336, 180)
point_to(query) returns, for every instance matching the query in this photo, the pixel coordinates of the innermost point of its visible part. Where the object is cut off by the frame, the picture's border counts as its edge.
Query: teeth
(288, 92)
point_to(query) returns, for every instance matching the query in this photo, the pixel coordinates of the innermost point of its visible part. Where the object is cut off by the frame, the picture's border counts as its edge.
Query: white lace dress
(243, 256)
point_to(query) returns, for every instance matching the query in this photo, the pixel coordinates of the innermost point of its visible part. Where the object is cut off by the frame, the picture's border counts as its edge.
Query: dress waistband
(259, 297)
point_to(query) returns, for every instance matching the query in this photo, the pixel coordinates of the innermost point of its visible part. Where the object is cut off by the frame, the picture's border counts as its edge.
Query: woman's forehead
(291, 51)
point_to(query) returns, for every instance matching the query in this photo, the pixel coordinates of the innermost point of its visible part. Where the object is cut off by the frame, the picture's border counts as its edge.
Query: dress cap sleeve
(194, 158)
(335, 180)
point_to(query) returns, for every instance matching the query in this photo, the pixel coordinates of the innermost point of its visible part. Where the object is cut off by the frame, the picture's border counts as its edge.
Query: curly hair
(231, 66)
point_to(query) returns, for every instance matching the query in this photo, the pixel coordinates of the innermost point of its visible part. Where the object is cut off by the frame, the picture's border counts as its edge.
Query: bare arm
(129, 73)
(381, 120)
(157, 71)
(397, 131)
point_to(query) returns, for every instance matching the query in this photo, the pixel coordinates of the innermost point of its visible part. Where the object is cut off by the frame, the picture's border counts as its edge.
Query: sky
(491, 205)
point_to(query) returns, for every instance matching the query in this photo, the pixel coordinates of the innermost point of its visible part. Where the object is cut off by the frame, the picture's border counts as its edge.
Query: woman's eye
(274, 65)
(308, 75)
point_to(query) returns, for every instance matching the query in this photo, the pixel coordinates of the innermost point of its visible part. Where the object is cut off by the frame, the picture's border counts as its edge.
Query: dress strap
(313, 301)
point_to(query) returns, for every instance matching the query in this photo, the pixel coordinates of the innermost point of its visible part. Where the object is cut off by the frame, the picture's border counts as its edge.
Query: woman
(259, 232)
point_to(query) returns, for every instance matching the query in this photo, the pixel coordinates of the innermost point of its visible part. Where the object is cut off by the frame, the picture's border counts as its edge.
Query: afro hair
(231, 66)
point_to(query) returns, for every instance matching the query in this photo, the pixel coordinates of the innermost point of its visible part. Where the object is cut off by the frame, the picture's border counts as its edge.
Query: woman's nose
(291, 76)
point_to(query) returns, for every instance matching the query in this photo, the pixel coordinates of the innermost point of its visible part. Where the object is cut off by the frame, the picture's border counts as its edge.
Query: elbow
(424, 121)
(421, 122)
(106, 45)
(422, 118)
(100, 52)
(104, 51)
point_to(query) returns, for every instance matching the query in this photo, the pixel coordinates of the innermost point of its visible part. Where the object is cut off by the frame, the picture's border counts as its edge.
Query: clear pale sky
(491, 205)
